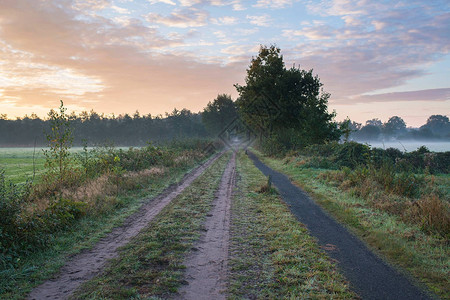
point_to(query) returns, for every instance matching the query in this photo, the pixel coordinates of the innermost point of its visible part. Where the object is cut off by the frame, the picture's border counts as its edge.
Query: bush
(13, 232)
(61, 213)
(352, 154)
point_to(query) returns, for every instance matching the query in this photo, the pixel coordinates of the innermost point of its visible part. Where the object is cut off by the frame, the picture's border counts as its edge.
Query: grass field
(18, 166)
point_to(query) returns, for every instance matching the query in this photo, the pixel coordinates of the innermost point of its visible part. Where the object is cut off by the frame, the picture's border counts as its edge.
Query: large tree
(394, 126)
(218, 114)
(438, 125)
(285, 102)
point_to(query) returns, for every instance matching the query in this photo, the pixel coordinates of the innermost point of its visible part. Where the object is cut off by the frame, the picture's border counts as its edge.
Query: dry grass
(431, 212)
(99, 194)
(429, 208)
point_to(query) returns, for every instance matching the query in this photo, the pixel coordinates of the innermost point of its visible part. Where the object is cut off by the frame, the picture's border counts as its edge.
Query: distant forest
(136, 130)
(94, 128)
(437, 128)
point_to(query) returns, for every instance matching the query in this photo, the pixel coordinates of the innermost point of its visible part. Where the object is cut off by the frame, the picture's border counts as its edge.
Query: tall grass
(402, 184)
(91, 186)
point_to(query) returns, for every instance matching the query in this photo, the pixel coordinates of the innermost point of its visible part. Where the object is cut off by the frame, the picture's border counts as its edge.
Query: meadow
(22, 164)
(19, 164)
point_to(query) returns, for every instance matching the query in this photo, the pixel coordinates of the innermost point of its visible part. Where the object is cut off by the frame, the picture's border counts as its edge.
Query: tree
(368, 133)
(59, 140)
(375, 122)
(394, 126)
(219, 113)
(438, 125)
(347, 127)
(285, 104)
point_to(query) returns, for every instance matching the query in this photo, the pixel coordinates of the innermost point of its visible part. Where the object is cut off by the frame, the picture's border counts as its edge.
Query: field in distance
(17, 162)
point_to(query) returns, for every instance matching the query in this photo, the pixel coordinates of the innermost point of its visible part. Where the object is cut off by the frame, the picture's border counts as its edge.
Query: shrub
(352, 154)
(61, 213)
(11, 199)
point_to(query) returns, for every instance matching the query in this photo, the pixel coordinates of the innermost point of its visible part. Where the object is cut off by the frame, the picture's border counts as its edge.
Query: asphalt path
(369, 275)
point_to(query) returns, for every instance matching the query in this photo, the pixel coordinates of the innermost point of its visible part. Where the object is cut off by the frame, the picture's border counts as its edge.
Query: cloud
(227, 20)
(440, 95)
(370, 52)
(273, 3)
(170, 2)
(262, 20)
(313, 33)
(51, 54)
(185, 18)
(120, 10)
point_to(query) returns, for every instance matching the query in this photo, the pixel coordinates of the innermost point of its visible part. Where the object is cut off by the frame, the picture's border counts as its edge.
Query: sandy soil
(87, 264)
(206, 266)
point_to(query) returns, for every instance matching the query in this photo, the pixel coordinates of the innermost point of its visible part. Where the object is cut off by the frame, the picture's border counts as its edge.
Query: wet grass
(32, 270)
(151, 265)
(272, 256)
(20, 164)
(426, 256)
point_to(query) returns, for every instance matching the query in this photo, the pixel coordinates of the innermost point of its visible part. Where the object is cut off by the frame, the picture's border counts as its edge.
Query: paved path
(369, 276)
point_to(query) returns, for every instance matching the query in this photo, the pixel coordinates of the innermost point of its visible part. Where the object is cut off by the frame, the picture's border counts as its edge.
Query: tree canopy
(286, 105)
(219, 113)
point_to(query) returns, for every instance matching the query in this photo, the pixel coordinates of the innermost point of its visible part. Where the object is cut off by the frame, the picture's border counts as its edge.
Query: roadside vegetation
(397, 202)
(76, 193)
(272, 256)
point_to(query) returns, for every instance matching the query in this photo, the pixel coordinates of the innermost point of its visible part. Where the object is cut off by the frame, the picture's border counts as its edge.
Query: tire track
(206, 268)
(87, 264)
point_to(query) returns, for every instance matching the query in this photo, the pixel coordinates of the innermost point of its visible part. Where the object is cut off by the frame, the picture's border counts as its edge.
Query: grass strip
(272, 256)
(425, 256)
(15, 283)
(151, 265)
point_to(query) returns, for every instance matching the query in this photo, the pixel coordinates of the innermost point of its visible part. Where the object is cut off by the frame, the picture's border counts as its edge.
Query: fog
(410, 145)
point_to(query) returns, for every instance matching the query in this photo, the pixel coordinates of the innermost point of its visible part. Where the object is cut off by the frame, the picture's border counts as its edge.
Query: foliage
(218, 114)
(394, 126)
(352, 154)
(11, 199)
(275, 99)
(96, 129)
(346, 128)
(375, 173)
(438, 125)
(58, 161)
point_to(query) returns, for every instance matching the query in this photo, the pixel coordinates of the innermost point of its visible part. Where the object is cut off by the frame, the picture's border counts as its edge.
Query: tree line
(283, 108)
(94, 128)
(437, 127)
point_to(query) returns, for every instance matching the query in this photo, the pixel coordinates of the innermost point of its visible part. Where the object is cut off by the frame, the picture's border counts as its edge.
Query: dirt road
(87, 264)
(206, 267)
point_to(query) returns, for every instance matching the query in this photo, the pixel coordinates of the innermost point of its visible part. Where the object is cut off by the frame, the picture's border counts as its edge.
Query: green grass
(272, 256)
(425, 256)
(19, 166)
(18, 163)
(32, 270)
(152, 263)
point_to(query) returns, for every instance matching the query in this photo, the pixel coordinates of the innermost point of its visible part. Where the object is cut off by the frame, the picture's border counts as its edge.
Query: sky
(377, 59)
